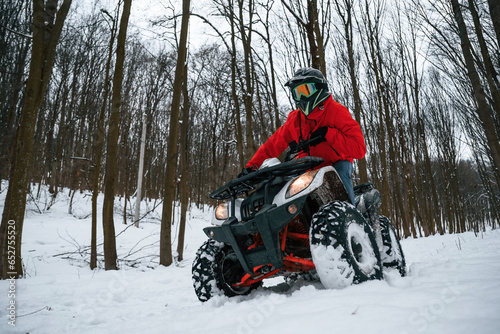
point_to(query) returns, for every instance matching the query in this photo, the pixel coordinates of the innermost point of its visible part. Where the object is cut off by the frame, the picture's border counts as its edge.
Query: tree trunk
(170, 175)
(483, 110)
(347, 22)
(495, 17)
(124, 173)
(248, 92)
(372, 36)
(320, 61)
(46, 35)
(138, 196)
(234, 94)
(98, 152)
(277, 122)
(314, 35)
(110, 256)
(183, 186)
(491, 74)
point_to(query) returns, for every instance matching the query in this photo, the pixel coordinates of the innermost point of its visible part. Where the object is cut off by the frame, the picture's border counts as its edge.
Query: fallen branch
(48, 308)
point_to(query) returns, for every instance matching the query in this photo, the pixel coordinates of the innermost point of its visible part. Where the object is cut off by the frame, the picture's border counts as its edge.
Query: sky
(144, 11)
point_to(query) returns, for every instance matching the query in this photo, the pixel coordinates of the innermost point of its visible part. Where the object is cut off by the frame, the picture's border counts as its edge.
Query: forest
(88, 104)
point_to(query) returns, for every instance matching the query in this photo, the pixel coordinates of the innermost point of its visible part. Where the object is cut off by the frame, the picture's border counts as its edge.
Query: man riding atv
(300, 215)
(340, 139)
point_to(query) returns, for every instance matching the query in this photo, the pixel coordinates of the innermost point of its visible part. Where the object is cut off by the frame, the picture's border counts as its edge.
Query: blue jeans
(344, 169)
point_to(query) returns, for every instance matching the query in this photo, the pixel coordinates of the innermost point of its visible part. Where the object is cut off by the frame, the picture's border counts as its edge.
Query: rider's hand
(318, 136)
(245, 171)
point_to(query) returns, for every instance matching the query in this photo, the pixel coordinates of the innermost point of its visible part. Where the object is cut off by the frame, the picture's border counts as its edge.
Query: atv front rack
(248, 182)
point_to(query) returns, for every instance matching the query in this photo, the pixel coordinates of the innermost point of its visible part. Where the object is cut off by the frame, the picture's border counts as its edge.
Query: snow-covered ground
(453, 286)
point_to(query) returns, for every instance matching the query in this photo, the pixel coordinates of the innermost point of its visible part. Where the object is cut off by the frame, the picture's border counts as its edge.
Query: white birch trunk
(141, 171)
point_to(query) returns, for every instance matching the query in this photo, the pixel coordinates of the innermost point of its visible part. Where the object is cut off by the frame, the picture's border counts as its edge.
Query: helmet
(309, 88)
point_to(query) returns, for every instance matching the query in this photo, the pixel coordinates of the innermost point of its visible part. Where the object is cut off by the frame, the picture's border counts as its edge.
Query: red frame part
(290, 262)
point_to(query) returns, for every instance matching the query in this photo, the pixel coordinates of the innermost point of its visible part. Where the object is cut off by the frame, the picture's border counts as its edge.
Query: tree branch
(16, 32)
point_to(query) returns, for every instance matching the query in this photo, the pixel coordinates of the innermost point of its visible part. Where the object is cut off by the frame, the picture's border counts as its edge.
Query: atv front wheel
(215, 269)
(343, 246)
(392, 255)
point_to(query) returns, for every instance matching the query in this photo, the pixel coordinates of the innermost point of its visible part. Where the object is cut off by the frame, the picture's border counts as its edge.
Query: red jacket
(344, 140)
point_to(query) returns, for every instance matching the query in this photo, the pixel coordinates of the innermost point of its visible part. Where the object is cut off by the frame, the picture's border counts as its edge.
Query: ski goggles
(305, 90)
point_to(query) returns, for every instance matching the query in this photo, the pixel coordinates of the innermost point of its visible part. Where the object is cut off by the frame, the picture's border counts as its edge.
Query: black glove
(245, 171)
(318, 136)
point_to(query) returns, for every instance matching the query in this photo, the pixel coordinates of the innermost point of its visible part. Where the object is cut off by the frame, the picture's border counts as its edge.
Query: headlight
(301, 183)
(222, 212)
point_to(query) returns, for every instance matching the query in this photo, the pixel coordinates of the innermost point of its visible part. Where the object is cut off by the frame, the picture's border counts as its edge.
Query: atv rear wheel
(215, 269)
(392, 255)
(343, 246)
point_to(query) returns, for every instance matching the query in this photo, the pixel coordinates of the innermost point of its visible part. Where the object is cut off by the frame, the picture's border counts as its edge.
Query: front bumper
(269, 221)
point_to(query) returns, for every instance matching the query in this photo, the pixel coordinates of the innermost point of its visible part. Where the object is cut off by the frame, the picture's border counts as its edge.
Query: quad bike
(294, 220)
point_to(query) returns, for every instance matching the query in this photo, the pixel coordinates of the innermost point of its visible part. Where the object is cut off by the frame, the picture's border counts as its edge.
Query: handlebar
(302, 146)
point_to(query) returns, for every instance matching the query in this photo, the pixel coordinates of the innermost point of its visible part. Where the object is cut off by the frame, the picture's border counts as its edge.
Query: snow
(452, 286)
(334, 273)
(367, 260)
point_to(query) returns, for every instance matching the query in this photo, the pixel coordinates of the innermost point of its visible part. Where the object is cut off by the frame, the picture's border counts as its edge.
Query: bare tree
(140, 173)
(99, 145)
(345, 12)
(15, 43)
(315, 26)
(482, 108)
(489, 69)
(46, 33)
(172, 156)
(110, 255)
(245, 28)
(184, 168)
(495, 17)
(271, 76)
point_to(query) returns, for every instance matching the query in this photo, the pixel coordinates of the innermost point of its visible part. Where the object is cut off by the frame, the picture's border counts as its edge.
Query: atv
(288, 218)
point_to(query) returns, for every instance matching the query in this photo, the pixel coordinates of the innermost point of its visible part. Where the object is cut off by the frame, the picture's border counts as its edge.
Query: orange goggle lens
(306, 90)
